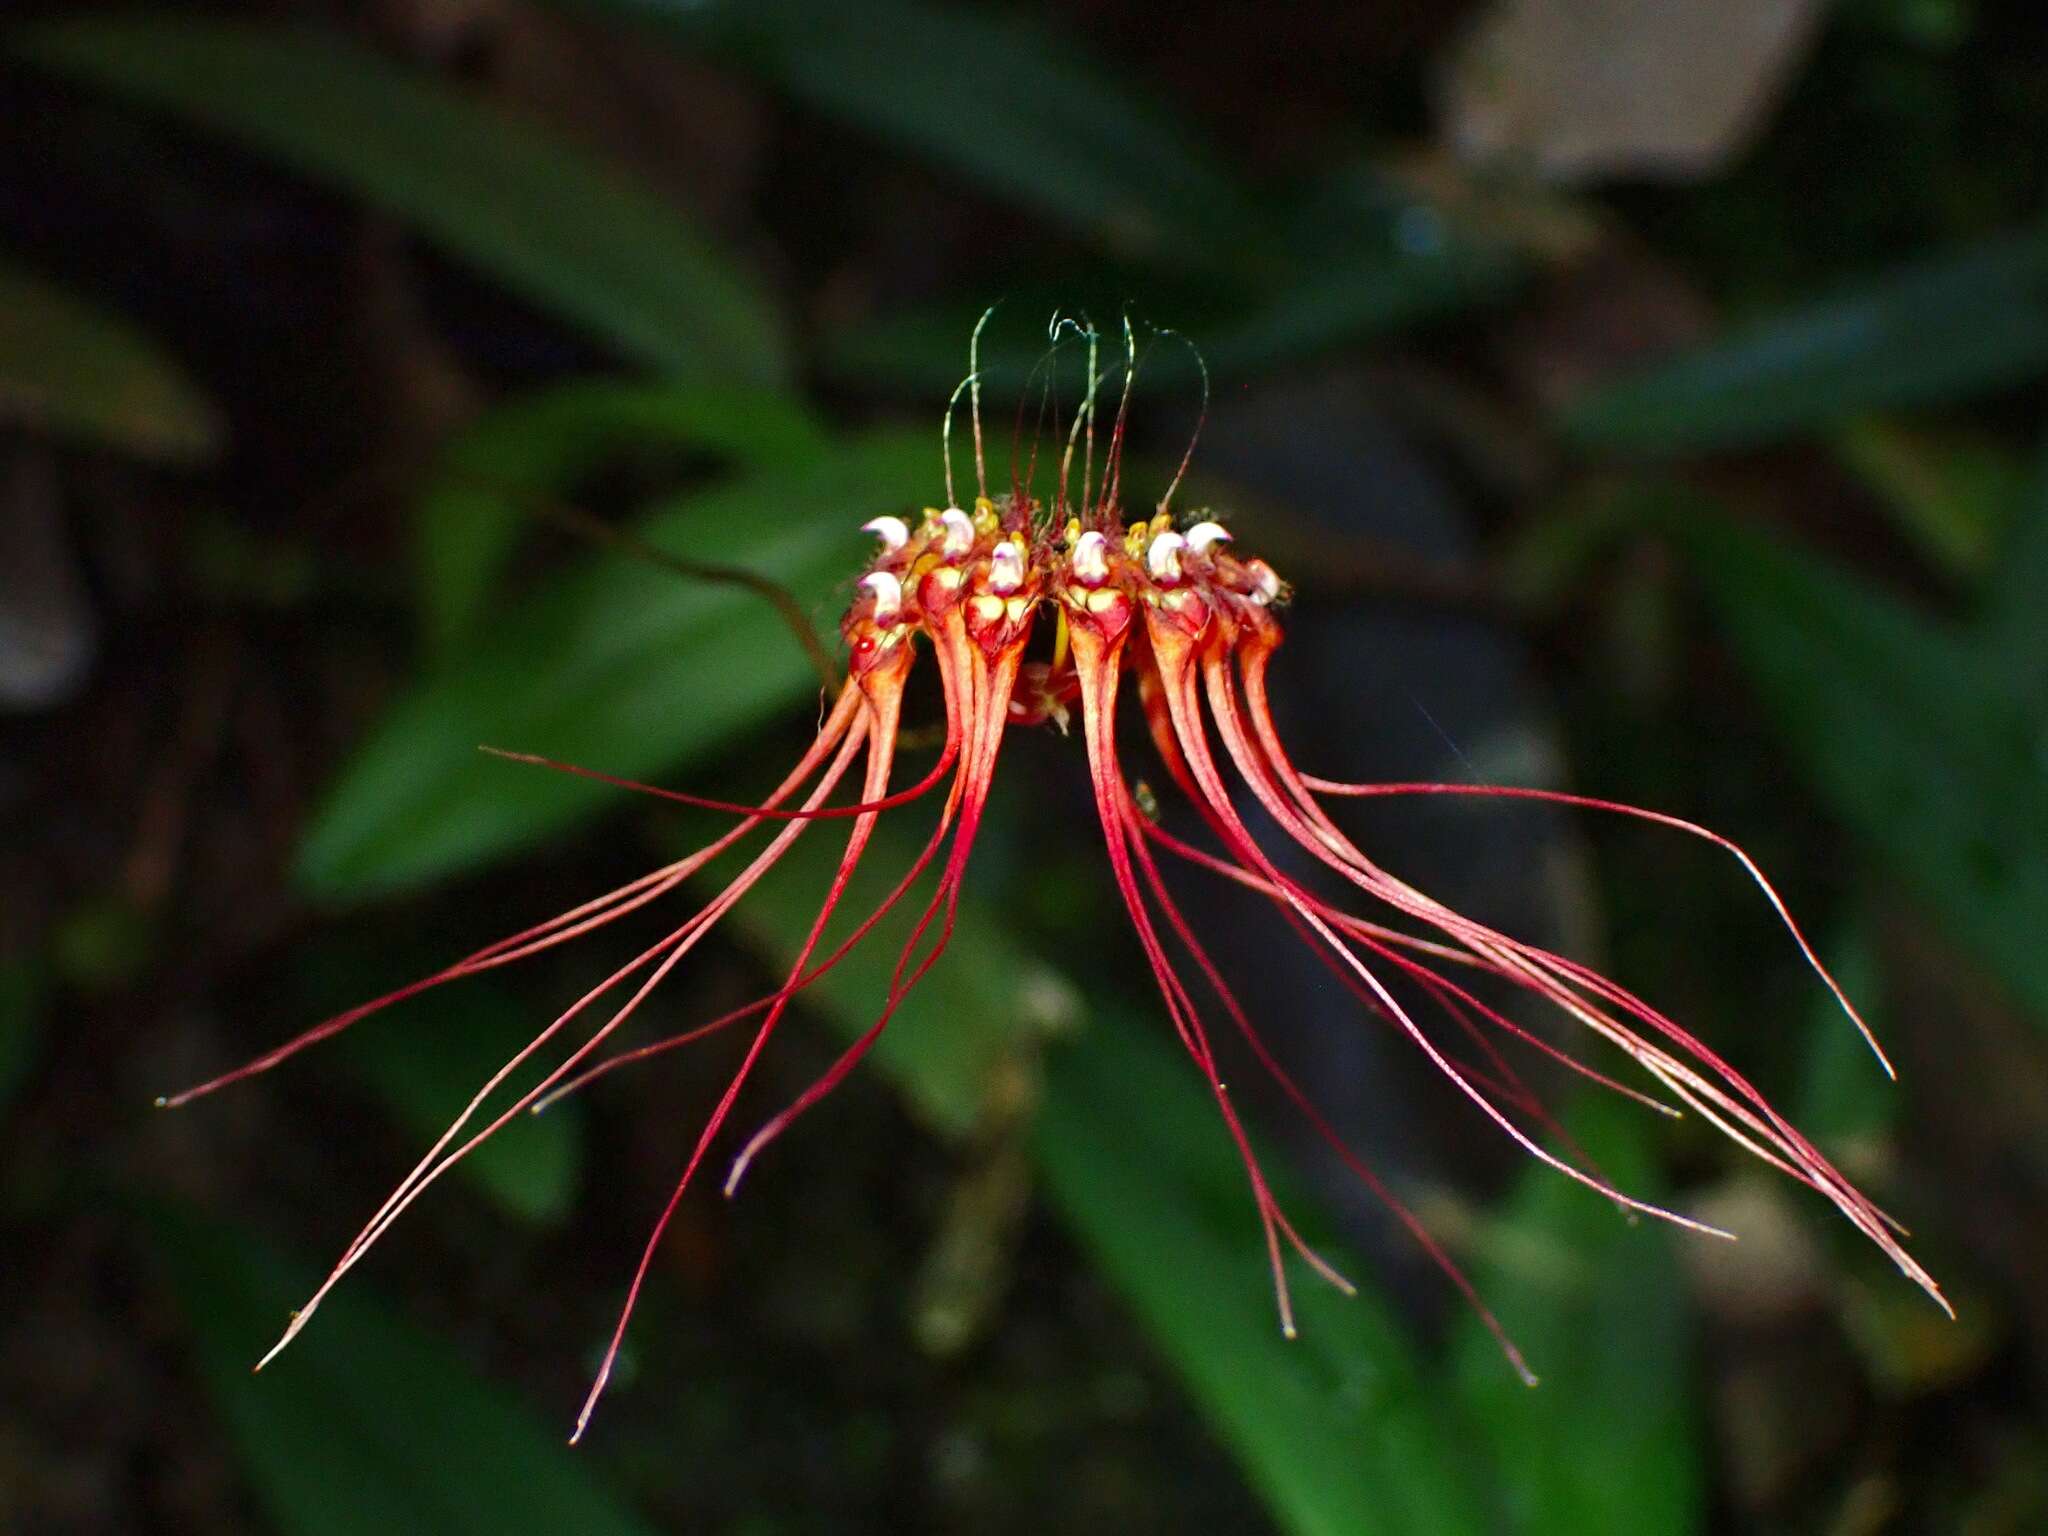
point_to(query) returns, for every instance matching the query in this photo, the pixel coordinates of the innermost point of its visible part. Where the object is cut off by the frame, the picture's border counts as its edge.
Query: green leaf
(1608, 1442)
(73, 370)
(536, 449)
(1948, 492)
(1955, 325)
(993, 96)
(427, 1073)
(1911, 732)
(571, 234)
(366, 1426)
(618, 665)
(1336, 1428)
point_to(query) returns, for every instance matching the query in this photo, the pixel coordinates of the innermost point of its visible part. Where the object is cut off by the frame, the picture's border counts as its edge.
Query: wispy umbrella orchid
(1192, 626)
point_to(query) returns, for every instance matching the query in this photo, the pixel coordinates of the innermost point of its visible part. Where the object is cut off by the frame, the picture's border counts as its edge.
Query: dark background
(1648, 409)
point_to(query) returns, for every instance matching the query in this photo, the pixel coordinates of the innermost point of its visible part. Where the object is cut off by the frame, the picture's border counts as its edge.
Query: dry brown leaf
(1577, 90)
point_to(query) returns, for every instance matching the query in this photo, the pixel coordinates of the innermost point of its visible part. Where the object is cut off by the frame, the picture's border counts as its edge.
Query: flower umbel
(1191, 627)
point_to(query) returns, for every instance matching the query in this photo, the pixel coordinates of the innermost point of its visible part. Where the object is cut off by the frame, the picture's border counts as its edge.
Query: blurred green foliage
(544, 219)
(520, 458)
(616, 663)
(1340, 1427)
(1913, 733)
(998, 98)
(68, 369)
(1597, 1302)
(1942, 330)
(321, 1436)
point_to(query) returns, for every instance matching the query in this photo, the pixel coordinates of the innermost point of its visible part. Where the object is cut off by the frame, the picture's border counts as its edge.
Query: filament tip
(590, 1403)
(277, 1349)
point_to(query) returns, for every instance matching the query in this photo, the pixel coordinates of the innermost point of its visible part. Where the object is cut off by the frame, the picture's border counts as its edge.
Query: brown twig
(581, 523)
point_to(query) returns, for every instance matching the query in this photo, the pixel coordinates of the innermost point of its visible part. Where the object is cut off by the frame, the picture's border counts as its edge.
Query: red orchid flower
(1194, 627)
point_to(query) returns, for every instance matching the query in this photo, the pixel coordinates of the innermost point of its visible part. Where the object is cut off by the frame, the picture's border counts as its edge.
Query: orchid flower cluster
(1175, 615)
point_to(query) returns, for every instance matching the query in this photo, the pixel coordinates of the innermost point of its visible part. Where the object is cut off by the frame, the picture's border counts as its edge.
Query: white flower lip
(1163, 558)
(959, 538)
(1268, 582)
(1090, 562)
(888, 595)
(1202, 535)
(1006, 568)
(892, 531)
